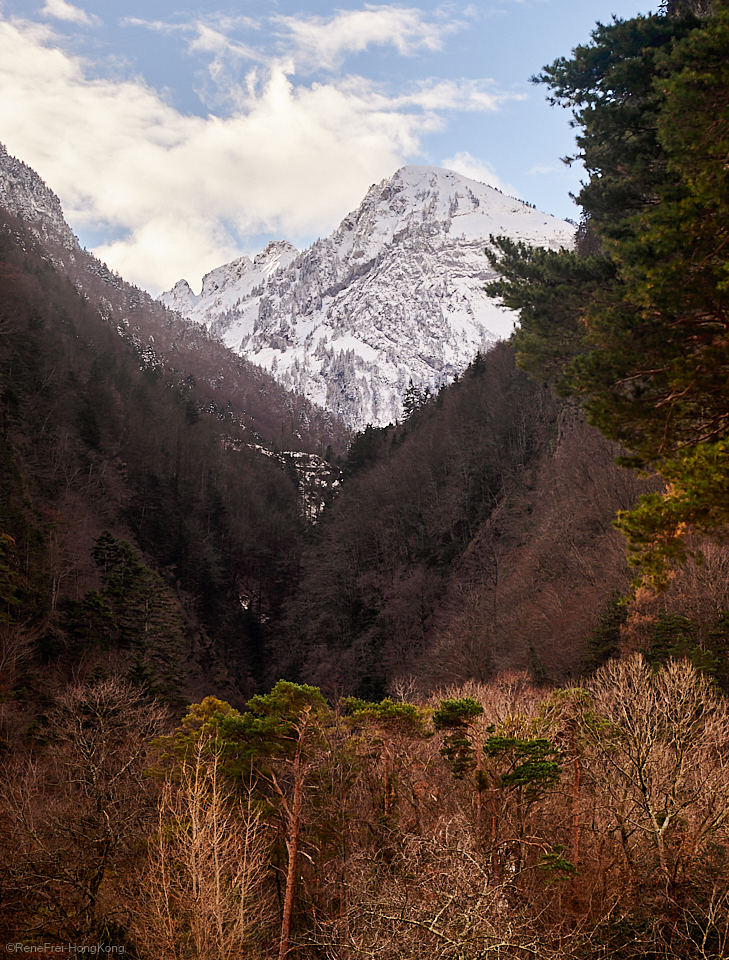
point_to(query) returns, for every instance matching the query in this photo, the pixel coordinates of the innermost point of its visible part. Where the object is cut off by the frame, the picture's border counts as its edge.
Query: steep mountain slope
(227, 385)
(117, 415)
(473, 539)
(394, 293)
(25, 195)
(89, 443)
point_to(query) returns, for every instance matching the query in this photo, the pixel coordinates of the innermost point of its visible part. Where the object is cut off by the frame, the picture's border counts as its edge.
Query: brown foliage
(199, 889)
(620, 849)
(480, 541)
(534, 581)
(74, 812)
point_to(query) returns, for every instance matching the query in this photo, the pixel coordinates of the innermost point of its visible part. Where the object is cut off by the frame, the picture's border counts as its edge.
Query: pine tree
(412, 400)
(271, 745)
(638, 330)
(145, 615)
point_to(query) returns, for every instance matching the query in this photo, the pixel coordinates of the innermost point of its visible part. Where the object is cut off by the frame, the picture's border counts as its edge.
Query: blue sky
(179, 135)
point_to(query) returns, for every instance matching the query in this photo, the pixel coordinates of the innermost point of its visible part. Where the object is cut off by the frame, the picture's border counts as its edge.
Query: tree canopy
(638, 328)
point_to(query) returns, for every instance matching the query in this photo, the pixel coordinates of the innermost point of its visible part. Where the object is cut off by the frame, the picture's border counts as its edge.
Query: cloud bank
(180, 192)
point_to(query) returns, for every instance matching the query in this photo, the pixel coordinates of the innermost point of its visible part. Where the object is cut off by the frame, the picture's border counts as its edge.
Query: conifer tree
(639, 330)
(270, 746)
(144, 614)
(412, 400)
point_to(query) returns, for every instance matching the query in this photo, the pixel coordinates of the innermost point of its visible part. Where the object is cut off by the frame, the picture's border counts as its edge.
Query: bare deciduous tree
(659, 767)
(200, 890)
(75, 811)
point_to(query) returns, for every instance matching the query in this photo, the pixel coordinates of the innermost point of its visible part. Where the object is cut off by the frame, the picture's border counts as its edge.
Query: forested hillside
(226, 385)
(97, 452)
(473, 538)
(487, 742)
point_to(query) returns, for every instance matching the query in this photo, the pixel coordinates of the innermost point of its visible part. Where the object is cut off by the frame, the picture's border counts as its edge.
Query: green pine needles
(638, 329)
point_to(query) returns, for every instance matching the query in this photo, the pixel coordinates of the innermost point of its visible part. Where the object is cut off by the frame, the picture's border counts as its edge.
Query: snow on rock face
(277, 253)
(24, 194)
(394, 293)
(223, 277)
(181, 298)
(226, 288)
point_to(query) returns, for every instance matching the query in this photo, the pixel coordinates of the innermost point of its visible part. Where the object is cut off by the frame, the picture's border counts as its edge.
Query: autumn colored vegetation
(495, 819)
(487, 744)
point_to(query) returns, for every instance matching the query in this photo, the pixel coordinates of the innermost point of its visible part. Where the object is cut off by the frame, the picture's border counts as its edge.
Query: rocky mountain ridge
(25, 195)
(242, 276)
(176, 349)
(394, 293)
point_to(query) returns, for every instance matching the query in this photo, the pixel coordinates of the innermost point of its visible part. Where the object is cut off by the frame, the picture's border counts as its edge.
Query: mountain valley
(320, 630)
(449, 506)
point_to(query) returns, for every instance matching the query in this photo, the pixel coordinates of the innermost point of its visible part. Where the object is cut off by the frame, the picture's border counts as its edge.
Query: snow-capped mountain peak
(394, 293)
(278, 253)
(181, 298)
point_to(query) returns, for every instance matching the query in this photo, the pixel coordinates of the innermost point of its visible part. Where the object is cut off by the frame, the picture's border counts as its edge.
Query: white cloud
(158, 26)
(457, 95)
(66, 11)
(477, 170)
(324, 42)
(181, 191)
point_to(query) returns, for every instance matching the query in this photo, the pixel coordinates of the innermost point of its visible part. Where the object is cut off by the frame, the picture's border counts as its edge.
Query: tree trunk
(479, 785)
(292, 844)
(575, 797)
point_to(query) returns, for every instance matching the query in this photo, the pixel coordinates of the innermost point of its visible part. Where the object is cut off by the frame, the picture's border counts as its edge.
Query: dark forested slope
(227, 385)
(90, 442)
(473, 538)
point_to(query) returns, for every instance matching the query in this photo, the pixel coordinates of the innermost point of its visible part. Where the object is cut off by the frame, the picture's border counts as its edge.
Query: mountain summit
(394, 293)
